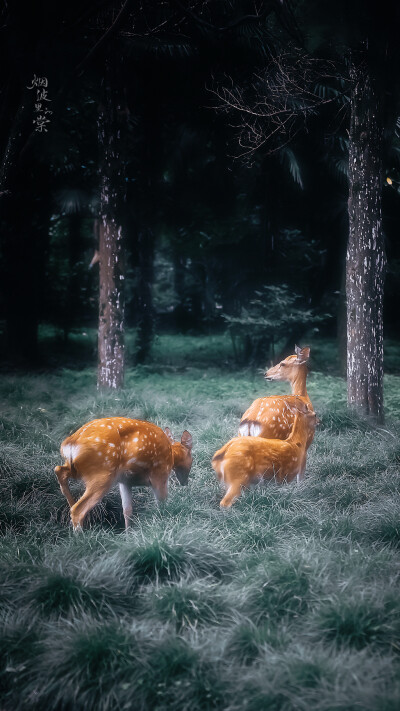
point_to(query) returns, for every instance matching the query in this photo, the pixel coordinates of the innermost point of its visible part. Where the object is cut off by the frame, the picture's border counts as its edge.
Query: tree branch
(118, 20)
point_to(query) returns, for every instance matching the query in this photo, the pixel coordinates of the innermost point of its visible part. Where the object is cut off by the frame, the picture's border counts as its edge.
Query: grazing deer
(272, 417)
(118, 449)
(247, 460)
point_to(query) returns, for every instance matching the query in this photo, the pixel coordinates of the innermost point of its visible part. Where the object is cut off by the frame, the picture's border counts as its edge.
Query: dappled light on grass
(289, 600)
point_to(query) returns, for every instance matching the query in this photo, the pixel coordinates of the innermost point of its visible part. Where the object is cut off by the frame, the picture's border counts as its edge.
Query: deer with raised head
(247, 460)
(118, 449)
(272, 416)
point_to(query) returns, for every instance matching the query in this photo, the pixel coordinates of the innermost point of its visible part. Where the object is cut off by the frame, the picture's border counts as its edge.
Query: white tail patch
(244, 430)
(70, 452)
(255, 430)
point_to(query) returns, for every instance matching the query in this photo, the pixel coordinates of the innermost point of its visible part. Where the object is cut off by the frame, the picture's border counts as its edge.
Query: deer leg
(301, 474)
(62, 474)
(232, 494)
(95, 490)
(126, 497)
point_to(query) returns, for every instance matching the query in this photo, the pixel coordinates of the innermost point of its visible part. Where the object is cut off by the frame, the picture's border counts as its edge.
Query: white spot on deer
(99, 454)
(135, 439)
(97, 439)
(109, 427)
(111, 444)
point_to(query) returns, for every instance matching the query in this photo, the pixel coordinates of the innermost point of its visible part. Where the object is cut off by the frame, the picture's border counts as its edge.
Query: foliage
(289, 600)
(270, 317)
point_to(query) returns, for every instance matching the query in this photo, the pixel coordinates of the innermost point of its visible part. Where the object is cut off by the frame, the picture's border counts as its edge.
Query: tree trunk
(365, 268)
(145, 330)
(24, 239)
(73, 301)
(20, 281)
(111, 342)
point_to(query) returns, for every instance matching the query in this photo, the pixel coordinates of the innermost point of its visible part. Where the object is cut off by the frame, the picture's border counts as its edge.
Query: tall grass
(287, 601)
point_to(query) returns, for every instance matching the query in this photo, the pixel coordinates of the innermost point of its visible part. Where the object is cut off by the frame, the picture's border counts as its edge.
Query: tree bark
(365, 267)
(111, 341)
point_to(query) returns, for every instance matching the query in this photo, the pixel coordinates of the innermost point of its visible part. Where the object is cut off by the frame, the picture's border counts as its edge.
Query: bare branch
(276, 104)
(118, 20)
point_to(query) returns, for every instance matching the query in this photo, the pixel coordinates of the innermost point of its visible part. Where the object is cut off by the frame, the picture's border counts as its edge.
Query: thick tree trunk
(111, 342)
(365, 269)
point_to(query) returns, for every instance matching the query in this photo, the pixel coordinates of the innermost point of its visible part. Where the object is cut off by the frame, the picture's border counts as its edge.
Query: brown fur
(120, 449)
(246, 460)
(272, 417)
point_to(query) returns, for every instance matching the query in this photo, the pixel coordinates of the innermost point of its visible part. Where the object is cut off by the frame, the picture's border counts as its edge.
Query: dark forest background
(219, 232)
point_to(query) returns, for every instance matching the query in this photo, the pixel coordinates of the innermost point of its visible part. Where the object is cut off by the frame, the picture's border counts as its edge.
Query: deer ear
(169, 434)
(302, 354)
(187, 439)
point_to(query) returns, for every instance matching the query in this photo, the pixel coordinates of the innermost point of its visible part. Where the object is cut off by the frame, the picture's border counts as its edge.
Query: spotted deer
(247, 460)
(118, 449)
(271, 416)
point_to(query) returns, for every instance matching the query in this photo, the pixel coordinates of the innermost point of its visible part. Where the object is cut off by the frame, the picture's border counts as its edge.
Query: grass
(287, 601)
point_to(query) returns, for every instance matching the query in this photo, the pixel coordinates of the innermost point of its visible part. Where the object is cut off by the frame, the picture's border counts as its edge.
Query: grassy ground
(287, 601)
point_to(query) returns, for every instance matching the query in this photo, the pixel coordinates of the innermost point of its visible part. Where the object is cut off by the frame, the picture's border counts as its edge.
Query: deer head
(182, 452)
(288, 369)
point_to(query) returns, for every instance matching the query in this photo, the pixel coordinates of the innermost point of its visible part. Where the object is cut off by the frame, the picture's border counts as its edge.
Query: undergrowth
(287, 601)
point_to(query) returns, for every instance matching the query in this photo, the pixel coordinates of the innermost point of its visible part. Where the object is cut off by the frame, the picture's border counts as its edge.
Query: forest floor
(290, 600)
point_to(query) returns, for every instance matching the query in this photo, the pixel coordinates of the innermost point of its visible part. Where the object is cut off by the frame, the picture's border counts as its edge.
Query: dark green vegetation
(287, 601)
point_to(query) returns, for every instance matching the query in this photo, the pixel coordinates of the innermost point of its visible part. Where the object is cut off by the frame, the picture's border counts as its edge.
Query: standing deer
(118, 449)
(247, 460)
(272, 417)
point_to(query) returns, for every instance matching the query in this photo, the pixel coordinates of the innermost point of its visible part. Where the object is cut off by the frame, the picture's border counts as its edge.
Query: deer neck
(298, 434)
(299, 387)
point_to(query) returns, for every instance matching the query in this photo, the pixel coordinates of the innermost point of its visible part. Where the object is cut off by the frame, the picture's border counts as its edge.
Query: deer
(248, 460)
(128, 451)
(271, 416)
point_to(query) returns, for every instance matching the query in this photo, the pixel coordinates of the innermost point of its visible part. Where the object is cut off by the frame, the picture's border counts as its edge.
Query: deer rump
(118, 445)
(241, 459)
